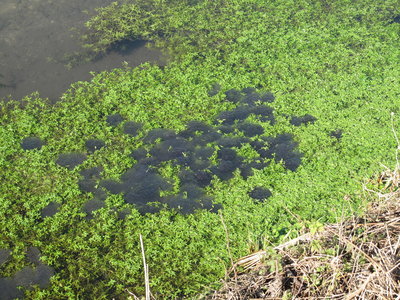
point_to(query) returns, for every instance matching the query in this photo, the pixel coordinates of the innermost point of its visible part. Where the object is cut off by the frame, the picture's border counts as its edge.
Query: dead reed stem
(146, 270)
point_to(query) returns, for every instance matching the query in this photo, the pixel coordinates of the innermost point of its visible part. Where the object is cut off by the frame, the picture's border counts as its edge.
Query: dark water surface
(35, 36)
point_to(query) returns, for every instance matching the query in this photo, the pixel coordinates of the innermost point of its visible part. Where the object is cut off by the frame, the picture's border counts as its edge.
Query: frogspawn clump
(92, 173)
(306, 119)
(227, 154)
(159, 134)
(196, 163)
(89, 182)
(226, 129)
(267, 97)
(171, 149)
(224, 170)
(114, 187)
(230, 142)
(239, 113)
(32, 142)
(139, 154)
(214, 90)
(140, 186)
(43, 275)
(183, 205)
(203, 152)
(264, 114)
(192, 191)
(28, 276)
(260, 193)
(248, 90)
(194, 127)
(71, 160)
(190, 198)
(146, 190)
(132, 128)
(87, 185)
(202, 178)
(250, 129)
(114, 120)
(92, 205)
(336, 134)
(93, 145)
(395, 19)
(251, 98)
(233, 96)
(50, 210)
(206, 138)
(246, 171)
(284, 148)
(9, 290)
(25, 277)
(33, 255)
(199, 153)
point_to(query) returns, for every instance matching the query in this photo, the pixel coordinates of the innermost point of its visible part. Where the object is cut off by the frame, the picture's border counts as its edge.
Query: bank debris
(357, 258)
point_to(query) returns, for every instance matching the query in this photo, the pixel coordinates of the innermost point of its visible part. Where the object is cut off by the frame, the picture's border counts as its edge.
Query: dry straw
(357, 258)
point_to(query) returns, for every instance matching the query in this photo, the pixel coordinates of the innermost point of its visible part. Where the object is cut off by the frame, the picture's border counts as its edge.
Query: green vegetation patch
(296, 94)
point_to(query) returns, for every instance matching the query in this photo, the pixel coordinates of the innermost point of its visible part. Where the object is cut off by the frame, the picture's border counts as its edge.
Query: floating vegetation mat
(268, 113)
(173, 170)
(198, 153)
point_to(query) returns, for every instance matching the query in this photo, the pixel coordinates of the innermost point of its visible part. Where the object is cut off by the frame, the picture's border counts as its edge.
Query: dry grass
(357, 258)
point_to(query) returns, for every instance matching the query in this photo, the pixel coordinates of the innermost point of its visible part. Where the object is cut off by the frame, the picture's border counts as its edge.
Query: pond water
(35, 36)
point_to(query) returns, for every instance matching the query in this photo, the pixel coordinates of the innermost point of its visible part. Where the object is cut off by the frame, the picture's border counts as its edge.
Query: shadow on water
(35, 38)
(127, 47)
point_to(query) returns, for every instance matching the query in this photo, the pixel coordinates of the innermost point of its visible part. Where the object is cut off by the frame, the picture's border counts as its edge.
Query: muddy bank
(36, 35)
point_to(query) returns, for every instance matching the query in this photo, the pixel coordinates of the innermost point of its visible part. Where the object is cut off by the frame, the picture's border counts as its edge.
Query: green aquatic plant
(336, 62)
